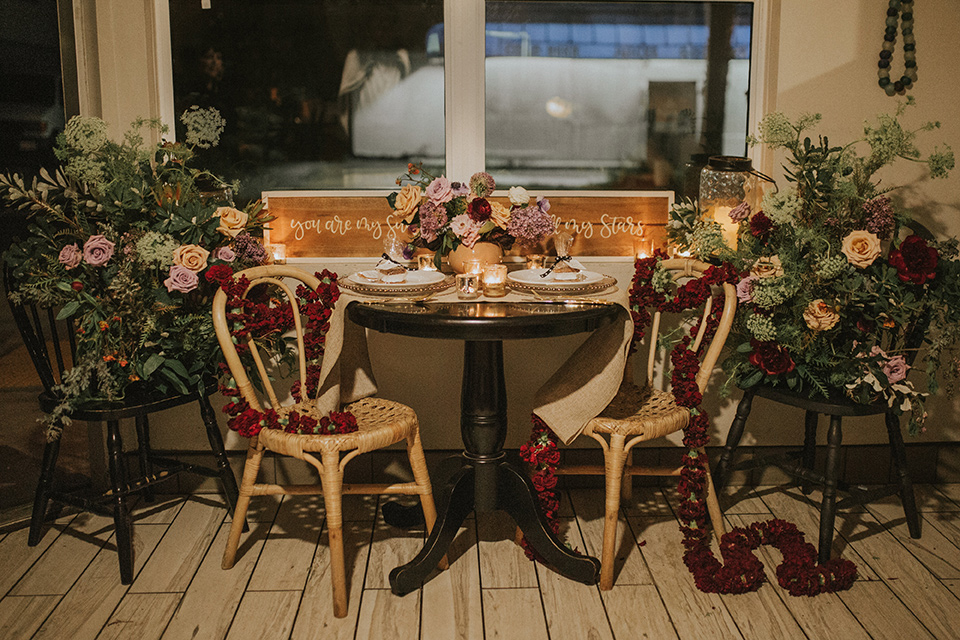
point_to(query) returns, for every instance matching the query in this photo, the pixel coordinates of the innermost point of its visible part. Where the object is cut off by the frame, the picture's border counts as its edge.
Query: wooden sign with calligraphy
(345, 224)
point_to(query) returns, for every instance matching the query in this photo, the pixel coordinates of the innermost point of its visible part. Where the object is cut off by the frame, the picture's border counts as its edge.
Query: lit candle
(468, 286)
(278, 252)
(535, 261)
(644, 247)
(495, 280)
(425, 262)
(729, 228)
(473, 266)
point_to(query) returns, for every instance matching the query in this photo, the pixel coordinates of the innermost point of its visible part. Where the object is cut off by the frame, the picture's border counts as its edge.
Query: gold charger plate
(565, 289)
(376, 289)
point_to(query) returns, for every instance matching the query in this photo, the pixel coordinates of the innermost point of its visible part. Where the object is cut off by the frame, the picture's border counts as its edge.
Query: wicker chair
(52, 345)
(381, 423)
(638, 414)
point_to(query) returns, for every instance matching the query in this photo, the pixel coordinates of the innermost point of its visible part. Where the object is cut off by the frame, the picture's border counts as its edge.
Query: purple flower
(249, 248)
(439, 190)
(181, 279)
(97, 250)
(482, 184)
(740, 212)
(879, 216)
(70, 256)
(432, 219)
(530, 225)
(543, 204)
(225, 253)
(745, 289)
(895, 369)
(459, 189)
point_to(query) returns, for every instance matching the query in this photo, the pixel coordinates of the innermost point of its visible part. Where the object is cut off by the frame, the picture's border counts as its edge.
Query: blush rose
(861, 248)
(97, 251)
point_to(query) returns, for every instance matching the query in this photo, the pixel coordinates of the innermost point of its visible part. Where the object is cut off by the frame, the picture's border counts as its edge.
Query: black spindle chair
(44, 338)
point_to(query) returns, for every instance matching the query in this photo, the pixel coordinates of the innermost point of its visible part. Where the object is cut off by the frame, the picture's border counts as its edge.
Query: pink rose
(740, 212)
(97, 250)
(895, 369)
(70, 256)
(440, 190)
(745, 289)
(181, 279)
(225, 253)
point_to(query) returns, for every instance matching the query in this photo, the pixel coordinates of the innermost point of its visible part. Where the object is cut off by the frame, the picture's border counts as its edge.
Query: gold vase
(484, 252)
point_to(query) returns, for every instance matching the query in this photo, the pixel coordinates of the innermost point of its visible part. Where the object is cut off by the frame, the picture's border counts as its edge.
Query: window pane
(614, 95)
(309, 88)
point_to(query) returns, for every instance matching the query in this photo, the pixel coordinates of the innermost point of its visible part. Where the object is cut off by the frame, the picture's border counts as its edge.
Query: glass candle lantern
(726, 182)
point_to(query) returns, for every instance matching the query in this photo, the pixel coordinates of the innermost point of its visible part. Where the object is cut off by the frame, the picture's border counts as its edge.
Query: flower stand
(830, 477)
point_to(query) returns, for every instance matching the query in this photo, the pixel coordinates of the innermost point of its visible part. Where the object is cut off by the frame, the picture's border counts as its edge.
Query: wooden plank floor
(68, 586)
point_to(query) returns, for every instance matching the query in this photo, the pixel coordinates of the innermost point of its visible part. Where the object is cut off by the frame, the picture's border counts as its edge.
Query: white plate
(371, 277)
(532, 277)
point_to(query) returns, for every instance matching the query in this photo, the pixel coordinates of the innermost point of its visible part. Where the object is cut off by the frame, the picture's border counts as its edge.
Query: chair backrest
(707, 347)
(286, 279)
(43, 335)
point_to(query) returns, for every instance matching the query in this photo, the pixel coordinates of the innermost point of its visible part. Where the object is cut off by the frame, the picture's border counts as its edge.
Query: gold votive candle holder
(535, 260)
(495, 280)
(425, 262)
(473, 266)
(468, 286)
(277, 251)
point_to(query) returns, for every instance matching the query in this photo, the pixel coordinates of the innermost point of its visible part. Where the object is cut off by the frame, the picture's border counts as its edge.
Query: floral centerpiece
(442, 215)
(839, 289)
(123, 239)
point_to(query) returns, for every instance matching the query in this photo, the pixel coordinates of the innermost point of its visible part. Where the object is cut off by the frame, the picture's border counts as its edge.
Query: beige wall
(825, 58)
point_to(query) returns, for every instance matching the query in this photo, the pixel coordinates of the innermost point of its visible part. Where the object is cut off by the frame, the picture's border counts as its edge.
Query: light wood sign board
(355, 223)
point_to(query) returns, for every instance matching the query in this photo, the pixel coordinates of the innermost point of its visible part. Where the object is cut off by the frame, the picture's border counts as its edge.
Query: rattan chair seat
(640, 411)
(380, 423)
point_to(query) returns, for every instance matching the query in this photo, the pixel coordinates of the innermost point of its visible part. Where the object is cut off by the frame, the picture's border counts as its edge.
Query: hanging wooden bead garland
(899, 11)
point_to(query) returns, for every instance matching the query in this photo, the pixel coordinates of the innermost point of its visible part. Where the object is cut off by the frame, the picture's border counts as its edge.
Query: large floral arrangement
(442, 215)
(839, 291)
(123, 238)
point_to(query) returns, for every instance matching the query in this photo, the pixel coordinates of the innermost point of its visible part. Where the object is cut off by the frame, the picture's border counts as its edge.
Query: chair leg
(722, 471)
(41, 499)
(613, 458)
(250, 470)
(809, 458)
(907, 497)
(418, 464)
(230, 491)
(121, 516)
(713, 505)
(332, 481)
(626, 485)
(828, 506)
(143, 452)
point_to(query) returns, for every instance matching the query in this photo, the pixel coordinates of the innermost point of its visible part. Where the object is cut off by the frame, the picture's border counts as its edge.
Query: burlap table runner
(573, 395)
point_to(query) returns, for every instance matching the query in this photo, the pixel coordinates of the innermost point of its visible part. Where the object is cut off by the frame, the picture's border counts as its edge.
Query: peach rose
(191, 256)
(232, 221)
(767, 268)
(861, 248)
(499, 214)
(407, 202)
(820, 316)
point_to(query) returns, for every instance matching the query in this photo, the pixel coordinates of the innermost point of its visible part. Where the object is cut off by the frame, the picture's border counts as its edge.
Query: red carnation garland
(740, 571)
(254, 315)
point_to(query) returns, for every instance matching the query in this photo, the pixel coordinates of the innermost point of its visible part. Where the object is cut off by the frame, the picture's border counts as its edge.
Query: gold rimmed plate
(564, 289)
(416, 284)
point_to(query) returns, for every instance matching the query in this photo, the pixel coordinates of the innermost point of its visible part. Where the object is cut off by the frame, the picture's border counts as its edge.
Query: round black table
(486, 480)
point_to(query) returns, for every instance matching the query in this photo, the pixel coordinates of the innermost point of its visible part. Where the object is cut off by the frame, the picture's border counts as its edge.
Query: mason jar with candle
(726, 182)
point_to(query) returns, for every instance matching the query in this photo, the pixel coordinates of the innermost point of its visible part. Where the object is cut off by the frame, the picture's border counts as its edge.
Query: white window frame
(107, 94)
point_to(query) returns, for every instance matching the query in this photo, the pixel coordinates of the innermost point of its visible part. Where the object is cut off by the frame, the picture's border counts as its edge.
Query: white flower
(518, 196)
